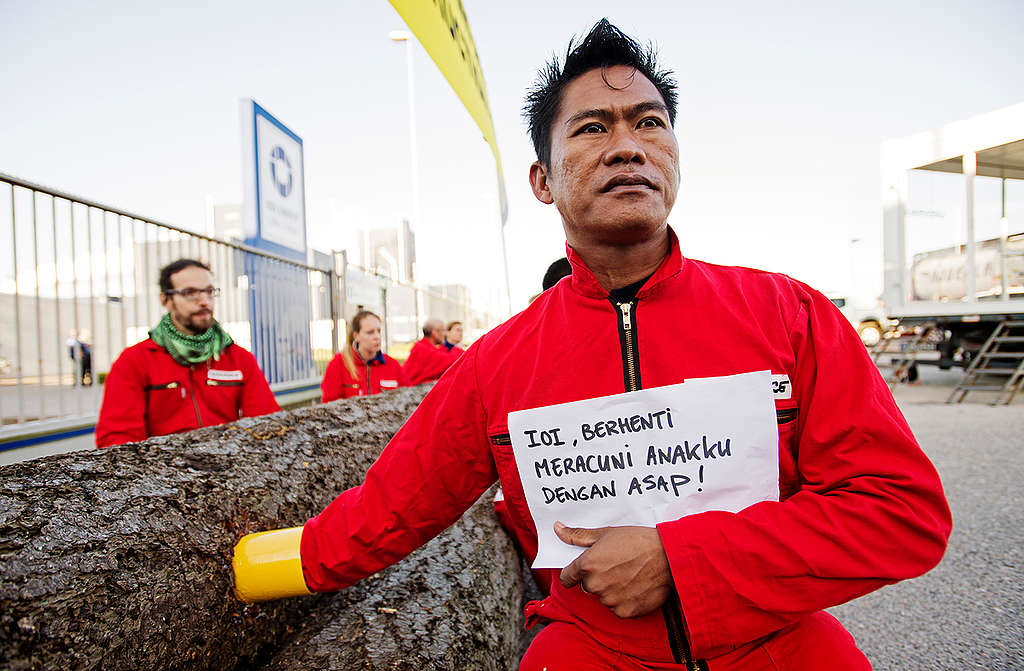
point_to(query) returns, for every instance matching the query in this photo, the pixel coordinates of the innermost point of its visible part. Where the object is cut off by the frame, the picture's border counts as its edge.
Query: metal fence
(78, 284)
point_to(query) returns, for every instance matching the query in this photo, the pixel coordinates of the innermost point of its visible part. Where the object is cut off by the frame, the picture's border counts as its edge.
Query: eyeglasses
(192, 294)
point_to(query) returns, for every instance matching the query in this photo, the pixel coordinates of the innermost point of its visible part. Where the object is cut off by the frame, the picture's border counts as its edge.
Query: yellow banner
(442, 28)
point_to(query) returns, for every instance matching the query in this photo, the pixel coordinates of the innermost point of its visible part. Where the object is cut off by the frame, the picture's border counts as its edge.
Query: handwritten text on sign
(646, 456)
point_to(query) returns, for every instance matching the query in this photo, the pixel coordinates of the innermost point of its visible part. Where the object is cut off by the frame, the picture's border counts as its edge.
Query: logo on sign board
(281, 171)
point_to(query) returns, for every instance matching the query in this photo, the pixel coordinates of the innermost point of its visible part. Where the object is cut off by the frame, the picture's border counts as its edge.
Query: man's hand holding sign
(624, 567)
(660, 454)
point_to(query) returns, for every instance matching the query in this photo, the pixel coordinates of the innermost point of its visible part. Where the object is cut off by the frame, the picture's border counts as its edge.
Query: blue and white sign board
(275, 221)
(275, 192)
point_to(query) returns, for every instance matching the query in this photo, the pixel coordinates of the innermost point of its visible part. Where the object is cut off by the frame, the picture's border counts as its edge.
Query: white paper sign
(647, 456)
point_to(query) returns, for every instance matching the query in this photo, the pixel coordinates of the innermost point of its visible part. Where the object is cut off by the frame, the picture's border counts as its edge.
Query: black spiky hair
(603, 47)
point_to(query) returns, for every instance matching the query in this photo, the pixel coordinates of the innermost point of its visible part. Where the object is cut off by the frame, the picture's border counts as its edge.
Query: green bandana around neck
(190, 349)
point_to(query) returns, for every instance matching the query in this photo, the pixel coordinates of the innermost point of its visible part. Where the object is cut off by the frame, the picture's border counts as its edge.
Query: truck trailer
(940, 275)
(953, 238)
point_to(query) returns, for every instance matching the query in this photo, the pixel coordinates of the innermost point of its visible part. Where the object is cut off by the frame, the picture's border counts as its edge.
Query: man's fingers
(572, 574)
(583, 538)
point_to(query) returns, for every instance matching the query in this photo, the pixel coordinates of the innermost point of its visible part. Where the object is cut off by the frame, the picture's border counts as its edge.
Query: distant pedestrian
(428, 359)
(361, 368)
(85, 344)
(187, 374)
(75, 352)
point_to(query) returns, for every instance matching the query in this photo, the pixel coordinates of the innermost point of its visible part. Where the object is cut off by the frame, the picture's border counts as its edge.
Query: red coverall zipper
(672, 610)
(192, 395)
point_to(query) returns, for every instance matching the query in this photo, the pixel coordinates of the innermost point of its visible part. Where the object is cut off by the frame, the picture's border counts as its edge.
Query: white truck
(969, 287)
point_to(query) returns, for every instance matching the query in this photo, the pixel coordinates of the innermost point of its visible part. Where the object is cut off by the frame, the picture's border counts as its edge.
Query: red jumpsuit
(860, 505)
(379, 373)
(148, 393)
(428, 361)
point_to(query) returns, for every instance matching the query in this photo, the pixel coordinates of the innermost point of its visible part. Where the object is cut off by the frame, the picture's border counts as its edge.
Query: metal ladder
(985, 364)
(908, 351)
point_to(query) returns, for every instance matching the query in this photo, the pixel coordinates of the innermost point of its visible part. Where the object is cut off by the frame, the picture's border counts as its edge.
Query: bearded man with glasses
(187, 374)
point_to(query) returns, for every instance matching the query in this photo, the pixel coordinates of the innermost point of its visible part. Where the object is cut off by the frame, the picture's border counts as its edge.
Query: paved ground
(968, 613)
(34, 401)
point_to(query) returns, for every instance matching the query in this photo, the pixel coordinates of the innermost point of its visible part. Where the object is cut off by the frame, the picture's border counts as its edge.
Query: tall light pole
(404, 36)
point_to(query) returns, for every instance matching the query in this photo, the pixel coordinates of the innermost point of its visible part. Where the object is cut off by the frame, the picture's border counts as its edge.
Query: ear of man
(539, 183)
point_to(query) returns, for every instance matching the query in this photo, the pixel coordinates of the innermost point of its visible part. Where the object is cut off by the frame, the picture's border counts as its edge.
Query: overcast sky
(783, 106)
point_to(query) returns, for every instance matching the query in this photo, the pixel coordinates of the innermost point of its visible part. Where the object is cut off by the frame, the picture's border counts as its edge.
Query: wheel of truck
(947, 351)
(870, 333)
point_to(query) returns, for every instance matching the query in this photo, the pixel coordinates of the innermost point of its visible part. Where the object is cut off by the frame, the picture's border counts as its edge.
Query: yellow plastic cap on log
(267, 566)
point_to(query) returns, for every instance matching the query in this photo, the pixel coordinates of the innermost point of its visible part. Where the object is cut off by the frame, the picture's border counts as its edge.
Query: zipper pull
(627, 323)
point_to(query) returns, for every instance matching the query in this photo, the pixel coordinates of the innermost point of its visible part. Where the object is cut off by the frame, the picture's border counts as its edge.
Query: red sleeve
(331, 386)
(434, 468)
(870, 509)
(257, 399)
(123, 412)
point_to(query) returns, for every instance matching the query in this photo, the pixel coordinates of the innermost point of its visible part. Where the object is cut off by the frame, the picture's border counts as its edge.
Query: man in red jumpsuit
(859, 505)
(187, 374)
(427, 358)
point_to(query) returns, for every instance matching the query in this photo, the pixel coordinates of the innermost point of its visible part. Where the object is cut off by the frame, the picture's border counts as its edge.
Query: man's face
(437, 334)
(195, 315)
(614, 169)
(454, 335)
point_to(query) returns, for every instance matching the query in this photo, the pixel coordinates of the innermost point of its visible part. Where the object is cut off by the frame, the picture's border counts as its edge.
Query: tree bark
(453, 604)
(121, 558)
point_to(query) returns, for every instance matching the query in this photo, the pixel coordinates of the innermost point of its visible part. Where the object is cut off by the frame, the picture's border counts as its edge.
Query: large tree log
(452, 604)
(120, 558)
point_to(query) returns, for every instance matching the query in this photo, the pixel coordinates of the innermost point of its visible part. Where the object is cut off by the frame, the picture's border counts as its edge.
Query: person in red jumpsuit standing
(187, 374)
(362, 368)
(858, 503)
(429, 358)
